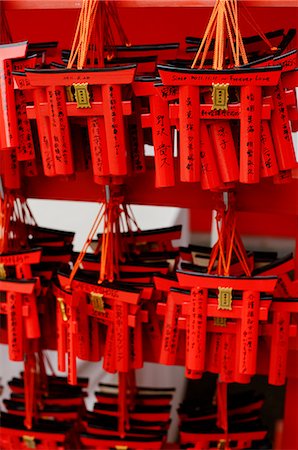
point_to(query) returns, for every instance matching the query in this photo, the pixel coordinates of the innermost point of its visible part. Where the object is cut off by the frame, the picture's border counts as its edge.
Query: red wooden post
(25, 150)
(210, 176)
(196, 330)
(189, 149)
(158, 119)
(250, 134)
(15, 326)
(109, 129)
(60, 130)
(136, 138)
(44, 134)
(114, 127)
(251, 288)
(224, 147)
(61, 319)
(8, 119)
(15, 291)
(281, 131)
(269, 165)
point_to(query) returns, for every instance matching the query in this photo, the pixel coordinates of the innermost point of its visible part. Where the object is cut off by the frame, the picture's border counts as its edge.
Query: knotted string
(229, 244)
(223, 23)
(94, 34)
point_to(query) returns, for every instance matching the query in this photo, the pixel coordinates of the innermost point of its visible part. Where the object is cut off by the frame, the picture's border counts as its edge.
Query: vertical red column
(269, 165)
(249, 332)
(44, 133)
(15, 326)
(250, 133)
(281, 131)
(60, 132)
(109, 362)
(97, 140)
(61, 337)
(136, 138)
(71, 341)
(121, 335)
(115, 136)
(169, 340)
(162, 141)
(189, 149)
(195, 354)
(210, 177)
(279, 348)
(25, 150)
(83, 344)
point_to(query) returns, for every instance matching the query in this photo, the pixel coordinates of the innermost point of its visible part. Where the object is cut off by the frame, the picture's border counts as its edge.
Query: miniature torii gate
(122, 302)
(250, 288)
(9, 136)
(250, 80)
(51, 111)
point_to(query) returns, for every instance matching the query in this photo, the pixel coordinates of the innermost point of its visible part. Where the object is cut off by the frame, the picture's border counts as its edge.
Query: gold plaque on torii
(220, 321)
(2, 272)
(121, 447)
(97, 302)
(82, 95)
(61, 303)
(221, 444)
(29, 441)
(225, 298)
(220, 96)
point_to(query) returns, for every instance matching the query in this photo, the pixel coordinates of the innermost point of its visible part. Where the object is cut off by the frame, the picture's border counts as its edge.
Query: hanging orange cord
(251, 21)
(229, 241)
(93, 40)
(81, 41)
(88, 241)
(223, 23)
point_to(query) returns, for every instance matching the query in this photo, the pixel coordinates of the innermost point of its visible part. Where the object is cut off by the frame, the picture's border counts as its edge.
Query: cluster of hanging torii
(221, 143)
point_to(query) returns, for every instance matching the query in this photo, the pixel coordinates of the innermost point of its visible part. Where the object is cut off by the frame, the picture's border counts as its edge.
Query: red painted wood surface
(264, 209)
